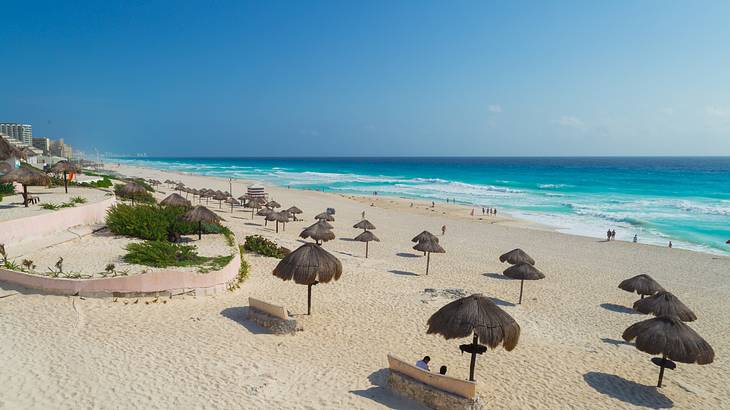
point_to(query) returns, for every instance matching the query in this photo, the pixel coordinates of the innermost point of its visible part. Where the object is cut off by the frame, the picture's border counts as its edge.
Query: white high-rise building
(20, 132)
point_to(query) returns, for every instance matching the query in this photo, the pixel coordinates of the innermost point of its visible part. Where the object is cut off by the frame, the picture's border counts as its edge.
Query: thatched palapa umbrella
(220, 197)
(294, 211)
(64, 167)
(516, 256)
(475, 315)
(282, 217)
(273, 204)
(425, 236)
(232, 201)
(366, 237)
(265, 212)
(201, 214)
(523, 272)
(673, 339)
(175, 200)
(8, 151)
(309, 265)
(429, 247)
(319, 232)
(256, 203)
(132, 190)
(665, 304)
(26, 176)
(324, 216)
(641, 284)
(364, 225)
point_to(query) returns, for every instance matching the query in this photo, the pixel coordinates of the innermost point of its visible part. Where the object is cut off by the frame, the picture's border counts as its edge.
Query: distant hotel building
(20, 132)
(43, 144)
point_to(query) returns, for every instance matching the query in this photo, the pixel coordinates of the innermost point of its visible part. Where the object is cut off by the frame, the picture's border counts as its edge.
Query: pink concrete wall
(160, 281)
(16, 230)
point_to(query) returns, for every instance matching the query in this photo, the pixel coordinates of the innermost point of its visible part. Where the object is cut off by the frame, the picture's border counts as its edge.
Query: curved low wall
(21, 229)
(160, 282)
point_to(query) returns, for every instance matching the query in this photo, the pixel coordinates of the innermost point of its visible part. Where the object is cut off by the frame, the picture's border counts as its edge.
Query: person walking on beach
(608, 235)
(670, 244)
(433, 204)
(423, 363)
(443, 230)
(482, 210)
(472, 212)
(613, 235)
(636, 239)
(363, 214)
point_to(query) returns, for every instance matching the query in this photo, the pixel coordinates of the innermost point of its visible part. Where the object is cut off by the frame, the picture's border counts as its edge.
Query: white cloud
(570, 121)
(495, 108)
(718, 112)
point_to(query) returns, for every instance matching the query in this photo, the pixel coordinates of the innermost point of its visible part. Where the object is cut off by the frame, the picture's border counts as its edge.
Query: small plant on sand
(11, 265)
(3, 255)
(50, 206)
(7, 189)
(262, 246)
(78, 200)
(59, 264)
(28, 264)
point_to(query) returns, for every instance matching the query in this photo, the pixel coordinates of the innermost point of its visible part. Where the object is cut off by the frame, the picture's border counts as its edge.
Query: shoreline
(503, 218)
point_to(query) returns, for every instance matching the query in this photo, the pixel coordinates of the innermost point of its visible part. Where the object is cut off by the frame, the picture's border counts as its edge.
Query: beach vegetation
(105, 182)
(7, 189)
(262, 246)
(78, 200)
(55, 207)
(154, 223)
(163, 254)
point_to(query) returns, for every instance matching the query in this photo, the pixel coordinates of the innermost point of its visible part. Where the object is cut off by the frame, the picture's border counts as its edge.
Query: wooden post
(473, 362)
(661, 370)
(309, 299)
(25, 196)
(522, 283)
(65, 182)
(428, 261)
(366, 249)
(200, 230)
(277, 226)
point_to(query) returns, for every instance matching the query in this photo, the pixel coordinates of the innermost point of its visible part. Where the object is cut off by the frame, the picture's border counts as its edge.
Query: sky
(371, 78)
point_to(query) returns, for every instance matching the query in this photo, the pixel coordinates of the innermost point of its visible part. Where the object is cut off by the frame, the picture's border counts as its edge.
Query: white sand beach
(201, 352)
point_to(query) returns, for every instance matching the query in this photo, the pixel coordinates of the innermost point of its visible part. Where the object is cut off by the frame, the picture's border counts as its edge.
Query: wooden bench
(273, 317)
(432, 389)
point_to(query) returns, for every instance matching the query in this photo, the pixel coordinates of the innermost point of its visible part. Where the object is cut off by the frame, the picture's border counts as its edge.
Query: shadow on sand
(380, 393)
(252, 224)
(495, 275)
(407, 255)
(403, 272)
(500, 302)
(615, 342)
(347, 239)
(619, 309)
(627, 391)
(240, 316)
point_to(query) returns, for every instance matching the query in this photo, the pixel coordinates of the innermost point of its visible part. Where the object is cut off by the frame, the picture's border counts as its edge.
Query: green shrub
(152, 222)
(262, 246)
(105, 182)
(161, 254)
(78, 200)
(245, 267)
(55, 207)
(7, 189)
(144, 184)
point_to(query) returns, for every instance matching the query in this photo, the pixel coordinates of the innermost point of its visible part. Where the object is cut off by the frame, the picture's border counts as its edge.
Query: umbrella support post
(277, 226)
(25, 196)
(661, 371)
(65, 182)
(366, 250)
(428, 261)
(522, 284)
(473, 362)
(309, 299)
(200, 230)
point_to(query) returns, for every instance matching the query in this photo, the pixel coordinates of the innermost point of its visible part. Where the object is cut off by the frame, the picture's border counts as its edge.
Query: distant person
(363, 214)
(423, 363)
(442, 370)
(472, 212)
(483, 210)
(495, 211)
(433, 204)
(443, 230)
(636, 239)
(613, 235)
(608, 235)
(411, 204)
(670, 244)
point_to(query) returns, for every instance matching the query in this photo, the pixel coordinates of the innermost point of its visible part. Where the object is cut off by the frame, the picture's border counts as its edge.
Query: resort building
(20, 132)
(43, 144)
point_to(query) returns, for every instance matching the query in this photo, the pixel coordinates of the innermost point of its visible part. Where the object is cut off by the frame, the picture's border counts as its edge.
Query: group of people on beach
(423, 364)
(610, 235)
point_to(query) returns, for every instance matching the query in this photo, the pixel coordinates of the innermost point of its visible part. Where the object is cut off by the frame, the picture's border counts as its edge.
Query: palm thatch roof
(366, 236)
(264, 211)
(220, 196)
(476, 314)
(175, 200)
(233, 201)
(26, 176)
(309, 264)
(324, 216)
(516, 256)
(523, 271)
(318, 232)
(8, 151)
(132, 189)
(425, 236)
(670, 336)
(277, 216)
(294, 210)
(64, 166)
(641, 284)
(664, 304)
(273, 204)
(364, 224)
(201, 214)
(429, 246)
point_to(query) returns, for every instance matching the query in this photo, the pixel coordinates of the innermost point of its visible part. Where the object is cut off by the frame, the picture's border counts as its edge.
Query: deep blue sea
(682, 199)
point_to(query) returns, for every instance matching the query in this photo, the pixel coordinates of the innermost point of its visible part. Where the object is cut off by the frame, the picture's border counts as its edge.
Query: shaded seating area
(431, 389)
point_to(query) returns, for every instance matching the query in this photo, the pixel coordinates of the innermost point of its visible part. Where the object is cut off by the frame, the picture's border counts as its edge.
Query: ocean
(682, 199)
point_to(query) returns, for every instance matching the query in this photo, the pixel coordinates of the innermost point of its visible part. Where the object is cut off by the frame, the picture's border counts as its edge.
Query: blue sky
(282, 78)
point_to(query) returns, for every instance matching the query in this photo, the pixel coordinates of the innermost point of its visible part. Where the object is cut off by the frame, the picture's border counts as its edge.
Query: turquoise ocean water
(683, 199)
